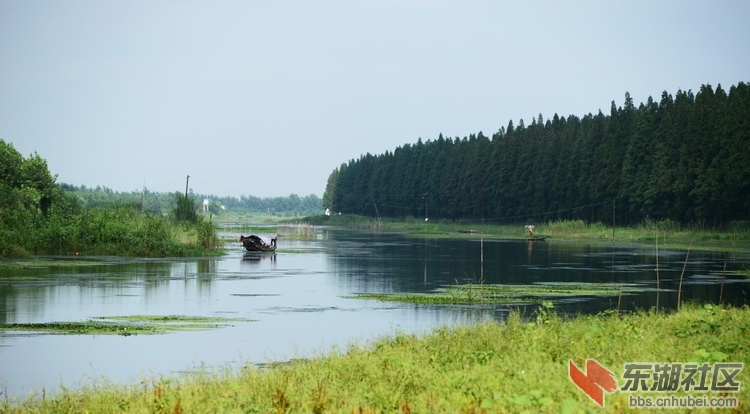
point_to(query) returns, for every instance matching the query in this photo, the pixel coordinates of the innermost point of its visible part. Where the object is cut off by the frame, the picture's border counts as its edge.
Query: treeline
(163, 203)
(38, 217)
(292, 205)
(685, 158)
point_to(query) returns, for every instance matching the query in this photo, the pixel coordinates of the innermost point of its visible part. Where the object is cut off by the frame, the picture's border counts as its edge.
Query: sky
(266, 98)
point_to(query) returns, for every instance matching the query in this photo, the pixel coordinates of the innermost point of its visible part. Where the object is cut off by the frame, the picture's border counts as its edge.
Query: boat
(254, 243)
(537, 238)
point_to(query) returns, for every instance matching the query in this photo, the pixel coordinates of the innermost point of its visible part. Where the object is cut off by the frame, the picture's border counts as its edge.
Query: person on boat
(273, 239)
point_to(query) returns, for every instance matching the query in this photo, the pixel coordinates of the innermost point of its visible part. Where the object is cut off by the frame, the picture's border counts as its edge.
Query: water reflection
(258, 256)
(299, 297)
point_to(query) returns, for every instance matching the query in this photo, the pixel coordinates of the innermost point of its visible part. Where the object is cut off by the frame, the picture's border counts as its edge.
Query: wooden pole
(481, 259)
(186, 186)
(613, 219)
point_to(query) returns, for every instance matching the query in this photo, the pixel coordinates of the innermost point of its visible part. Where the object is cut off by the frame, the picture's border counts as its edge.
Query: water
(299, 300)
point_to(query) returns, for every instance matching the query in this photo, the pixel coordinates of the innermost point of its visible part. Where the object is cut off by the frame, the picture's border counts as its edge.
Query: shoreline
(667, 234)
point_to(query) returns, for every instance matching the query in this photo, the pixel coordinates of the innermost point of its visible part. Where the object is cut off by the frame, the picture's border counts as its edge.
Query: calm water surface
(298, 299)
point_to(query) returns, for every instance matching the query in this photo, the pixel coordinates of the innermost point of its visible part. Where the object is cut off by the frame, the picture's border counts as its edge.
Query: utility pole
(143, 193)
(426, 216)
(186, 186)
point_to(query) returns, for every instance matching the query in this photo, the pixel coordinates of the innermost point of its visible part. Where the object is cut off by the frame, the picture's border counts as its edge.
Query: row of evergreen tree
(685, 158)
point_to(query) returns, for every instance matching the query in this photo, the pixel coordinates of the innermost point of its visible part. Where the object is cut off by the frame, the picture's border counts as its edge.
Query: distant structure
(205, 204)
(328, 212)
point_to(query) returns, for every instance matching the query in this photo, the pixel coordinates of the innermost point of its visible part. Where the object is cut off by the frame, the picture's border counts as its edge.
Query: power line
(164, 185)
(219, 186)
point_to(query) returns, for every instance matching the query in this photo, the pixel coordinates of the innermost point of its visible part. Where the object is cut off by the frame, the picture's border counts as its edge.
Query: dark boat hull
(260, 249)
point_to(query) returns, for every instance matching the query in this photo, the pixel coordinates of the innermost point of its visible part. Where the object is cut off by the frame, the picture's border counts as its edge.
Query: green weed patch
(45, 263)
(124, 325)
(507, 294)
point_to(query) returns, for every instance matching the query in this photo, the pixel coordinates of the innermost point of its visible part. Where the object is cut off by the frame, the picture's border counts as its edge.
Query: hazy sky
(266, 98)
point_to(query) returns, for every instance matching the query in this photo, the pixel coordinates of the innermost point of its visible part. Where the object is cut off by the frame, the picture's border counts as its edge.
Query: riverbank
(667, 233)
(490, 367)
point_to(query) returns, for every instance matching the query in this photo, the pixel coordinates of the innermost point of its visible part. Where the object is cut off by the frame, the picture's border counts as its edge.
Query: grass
(506, 294)
(516, 366)
(188, 242)
(124, 325)
(736, 237)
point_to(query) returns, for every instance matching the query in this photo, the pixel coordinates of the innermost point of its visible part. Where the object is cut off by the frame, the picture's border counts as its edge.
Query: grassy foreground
(490, 367)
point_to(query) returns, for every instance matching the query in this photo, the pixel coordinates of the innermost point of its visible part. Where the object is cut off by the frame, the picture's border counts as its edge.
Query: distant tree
(733, 158)
(329, 194)
(186, 209)
(10, 165)
(38, 182)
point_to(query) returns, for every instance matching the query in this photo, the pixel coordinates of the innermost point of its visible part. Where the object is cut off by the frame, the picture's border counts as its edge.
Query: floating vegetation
(254, 294)
(44, 263)
(305, 309)
(125, 325)
(507, 294)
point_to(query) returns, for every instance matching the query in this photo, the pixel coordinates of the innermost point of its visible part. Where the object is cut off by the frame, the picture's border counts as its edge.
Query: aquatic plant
(507, 294)
(124, 325)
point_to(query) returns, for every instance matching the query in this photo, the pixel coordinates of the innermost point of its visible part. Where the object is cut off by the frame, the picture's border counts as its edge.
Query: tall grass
(515, 366)
(127, 231)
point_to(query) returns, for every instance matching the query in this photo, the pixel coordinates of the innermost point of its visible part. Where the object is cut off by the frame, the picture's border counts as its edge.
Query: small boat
(537, 238)
(254, 243)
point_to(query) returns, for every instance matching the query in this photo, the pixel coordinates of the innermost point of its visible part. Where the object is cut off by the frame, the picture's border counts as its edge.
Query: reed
(682, 275)
(658, 290)
(297, 230)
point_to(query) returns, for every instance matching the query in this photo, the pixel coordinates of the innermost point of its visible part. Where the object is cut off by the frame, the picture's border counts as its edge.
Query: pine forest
(685, 158)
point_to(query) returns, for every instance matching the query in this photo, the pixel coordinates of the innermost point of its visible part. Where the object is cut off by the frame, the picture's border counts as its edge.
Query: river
(298, 303)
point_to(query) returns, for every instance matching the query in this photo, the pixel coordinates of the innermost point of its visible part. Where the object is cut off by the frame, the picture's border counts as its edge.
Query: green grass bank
(491, 367)
(667, 233)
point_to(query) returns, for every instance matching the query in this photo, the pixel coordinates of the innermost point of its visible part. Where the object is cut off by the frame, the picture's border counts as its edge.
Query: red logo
(594, 382)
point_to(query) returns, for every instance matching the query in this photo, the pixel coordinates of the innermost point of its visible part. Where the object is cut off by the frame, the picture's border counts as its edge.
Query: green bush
(207, 236)
(122, 230)
(185, 211)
